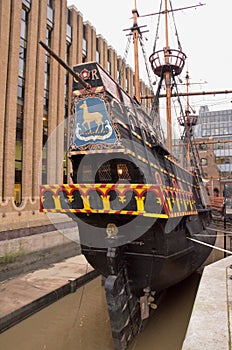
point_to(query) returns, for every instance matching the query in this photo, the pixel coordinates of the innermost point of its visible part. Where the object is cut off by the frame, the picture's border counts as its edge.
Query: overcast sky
(205, 34)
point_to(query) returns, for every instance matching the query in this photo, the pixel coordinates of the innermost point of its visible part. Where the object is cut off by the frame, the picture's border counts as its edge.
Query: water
(80, 321)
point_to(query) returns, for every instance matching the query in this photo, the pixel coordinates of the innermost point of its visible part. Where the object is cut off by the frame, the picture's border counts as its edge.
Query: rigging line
(124, 60)
(204, 235)
(174, 22)
(179, 9)
(192, 109)
(157, 28)
(145, 60)
(176, 113)
(215, 229)
(210, 245)
(198, 172)
(156, 106)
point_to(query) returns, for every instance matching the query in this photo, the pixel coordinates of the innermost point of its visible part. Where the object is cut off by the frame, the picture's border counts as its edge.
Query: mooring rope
(210, 245)
(215, 229)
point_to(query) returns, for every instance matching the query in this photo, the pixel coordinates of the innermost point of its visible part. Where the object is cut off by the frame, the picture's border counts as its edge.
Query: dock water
(192, 325)
(26, 294)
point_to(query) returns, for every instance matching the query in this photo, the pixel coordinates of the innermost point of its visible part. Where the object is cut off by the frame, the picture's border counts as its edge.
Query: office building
(36, 97)
(213, 134)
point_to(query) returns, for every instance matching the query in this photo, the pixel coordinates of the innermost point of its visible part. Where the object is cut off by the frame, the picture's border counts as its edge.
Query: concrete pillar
(121, 71)
(77, 36)
(129, 77)
(93, 43)
(60, 97)
(75, 58)
(88, 31)
(102, 47)
(148, 101)
(5, 13)
(11, 101)
(54, 97)
(112, 55)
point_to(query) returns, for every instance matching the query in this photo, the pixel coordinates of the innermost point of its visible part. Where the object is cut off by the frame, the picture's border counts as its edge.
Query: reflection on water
(166, 329)
(80, 321)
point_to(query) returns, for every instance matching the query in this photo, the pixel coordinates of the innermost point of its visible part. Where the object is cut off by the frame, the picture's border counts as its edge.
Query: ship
(141, 215)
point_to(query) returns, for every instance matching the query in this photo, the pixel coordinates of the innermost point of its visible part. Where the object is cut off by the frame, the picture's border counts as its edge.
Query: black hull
(159, 258)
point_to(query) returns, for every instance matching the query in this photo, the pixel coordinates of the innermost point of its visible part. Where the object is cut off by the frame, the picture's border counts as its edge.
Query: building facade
(36, 97)
(213, 134)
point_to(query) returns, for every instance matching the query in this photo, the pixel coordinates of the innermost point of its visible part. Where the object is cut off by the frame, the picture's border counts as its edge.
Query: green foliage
(11, 257)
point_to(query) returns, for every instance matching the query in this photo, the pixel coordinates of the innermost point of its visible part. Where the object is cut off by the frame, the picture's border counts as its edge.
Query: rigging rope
(146, 62)
(155, 110)
(120, 75)
(157, 29)
(178, 40)
(196, 164)
(210, 245)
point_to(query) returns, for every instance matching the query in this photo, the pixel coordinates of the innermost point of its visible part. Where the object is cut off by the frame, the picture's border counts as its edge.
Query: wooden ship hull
(143, 219)
(157, 259)
(138, 211)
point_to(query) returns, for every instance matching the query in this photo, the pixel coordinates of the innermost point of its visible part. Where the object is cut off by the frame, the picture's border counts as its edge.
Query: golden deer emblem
(91, 117)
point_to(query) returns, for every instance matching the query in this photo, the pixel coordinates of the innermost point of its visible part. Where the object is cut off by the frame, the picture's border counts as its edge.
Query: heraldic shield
(92, 123)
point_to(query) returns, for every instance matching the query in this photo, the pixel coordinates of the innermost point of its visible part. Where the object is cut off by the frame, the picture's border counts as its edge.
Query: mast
(135, 31)
(166, 64)
(167, 78)
(187, 118)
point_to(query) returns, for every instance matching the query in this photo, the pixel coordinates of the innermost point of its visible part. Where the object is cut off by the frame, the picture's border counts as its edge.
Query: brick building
(35, 98)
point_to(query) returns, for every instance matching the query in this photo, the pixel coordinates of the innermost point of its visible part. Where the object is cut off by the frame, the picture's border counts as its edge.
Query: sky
(204, 32)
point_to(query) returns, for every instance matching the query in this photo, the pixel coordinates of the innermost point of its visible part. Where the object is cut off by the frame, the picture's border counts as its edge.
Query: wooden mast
(167, 78)
(187, 117)
(135, 31)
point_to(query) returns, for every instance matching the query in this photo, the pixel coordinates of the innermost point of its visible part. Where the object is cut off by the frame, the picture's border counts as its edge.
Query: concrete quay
(210, 325)
(26, 294)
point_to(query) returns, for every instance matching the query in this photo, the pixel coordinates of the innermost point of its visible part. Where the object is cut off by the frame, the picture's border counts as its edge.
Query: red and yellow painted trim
(94, 90)
(166, 201)
(99, 151)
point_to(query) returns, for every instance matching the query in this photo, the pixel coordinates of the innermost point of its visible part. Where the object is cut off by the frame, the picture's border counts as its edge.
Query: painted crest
(93, 124)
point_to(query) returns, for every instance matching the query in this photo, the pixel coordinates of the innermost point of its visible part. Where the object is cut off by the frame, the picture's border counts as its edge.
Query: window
(204, 161)
(68, 27)
(203, 146)
(123, 172)
(50, 14)
(66, 113)
(68, 33)
(46, 104)
(47, 69)
(97, 56)
(84, 45)
(27, 4)
(20, 105)
(97, 51)
(108, 62)
(104, 172)
(127, 85)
